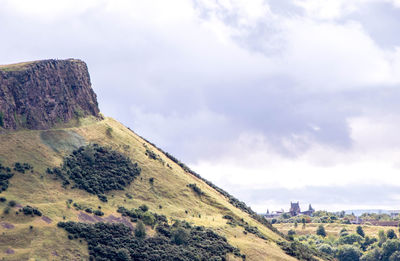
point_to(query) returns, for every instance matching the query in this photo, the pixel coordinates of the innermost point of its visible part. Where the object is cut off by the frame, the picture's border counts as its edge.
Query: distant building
(294, 209)
(309, 212)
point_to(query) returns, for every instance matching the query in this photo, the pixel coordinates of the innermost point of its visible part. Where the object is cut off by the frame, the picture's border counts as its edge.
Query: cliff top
(25, 65)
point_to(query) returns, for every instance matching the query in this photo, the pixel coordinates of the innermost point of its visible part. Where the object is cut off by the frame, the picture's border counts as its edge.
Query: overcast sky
(274, 101)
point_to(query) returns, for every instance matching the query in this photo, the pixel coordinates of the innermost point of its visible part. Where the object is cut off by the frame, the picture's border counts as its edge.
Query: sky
(272, 100)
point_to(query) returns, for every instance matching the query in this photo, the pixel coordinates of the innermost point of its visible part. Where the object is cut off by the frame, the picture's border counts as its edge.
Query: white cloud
(233, 79)
(326, 56)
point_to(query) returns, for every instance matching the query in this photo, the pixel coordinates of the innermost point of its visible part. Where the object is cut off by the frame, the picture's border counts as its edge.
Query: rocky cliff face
(38, 95)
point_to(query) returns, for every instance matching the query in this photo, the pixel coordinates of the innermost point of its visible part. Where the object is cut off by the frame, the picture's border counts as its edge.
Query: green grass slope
(38, 238)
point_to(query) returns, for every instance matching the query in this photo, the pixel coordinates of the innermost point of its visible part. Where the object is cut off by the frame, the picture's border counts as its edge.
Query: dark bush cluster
(97, 170)
(144, 215)
(151, 154)
(240, 222)
(115, 241)
(5, 175)
(302, 252)
(196, 189)
(98, 212)
(22, 167)
(28, 210)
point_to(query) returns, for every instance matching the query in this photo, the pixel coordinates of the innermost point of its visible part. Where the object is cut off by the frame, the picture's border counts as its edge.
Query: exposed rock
(38, 95)
(7, 225)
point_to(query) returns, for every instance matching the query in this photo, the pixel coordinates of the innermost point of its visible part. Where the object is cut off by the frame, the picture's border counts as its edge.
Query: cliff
(40, 94)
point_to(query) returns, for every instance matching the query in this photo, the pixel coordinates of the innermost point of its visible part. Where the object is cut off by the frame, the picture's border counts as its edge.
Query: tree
(372, 255)
(348, 253)
(295, 224)
(326, 248)
(360, 231)
(180, 236)
(140, 230)
(321, 231)
(389, 247)
(303, 220)
(391, 234)
(382, 237)
(291, 234)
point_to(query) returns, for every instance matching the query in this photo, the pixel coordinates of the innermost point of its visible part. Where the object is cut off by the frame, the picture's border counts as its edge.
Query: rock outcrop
(41, 94)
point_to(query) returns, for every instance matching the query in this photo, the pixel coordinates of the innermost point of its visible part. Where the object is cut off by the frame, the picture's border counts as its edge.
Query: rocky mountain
(41, 94)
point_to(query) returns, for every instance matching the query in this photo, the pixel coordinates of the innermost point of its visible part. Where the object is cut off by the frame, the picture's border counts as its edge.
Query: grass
(332, 229)
(169, 190)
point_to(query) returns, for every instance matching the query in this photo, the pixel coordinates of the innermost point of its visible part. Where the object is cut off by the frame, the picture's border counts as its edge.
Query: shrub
(360, 231)
(98, 212)
(148, 219)
(321, 231)
(7, 210)
(12, 203)
(102, 198)
(109, 132)
(97, 170)
(22, 167)
(5, 175)
(391, 234)
(140, 230)
(144, 208)
(180, 236)
(291, 234)
(350, 239)
(348, 253)
(325, 248)
(110, 241)
(28, 210)
(196, 189)
(372, 255)
(3, 199)
(389, 247)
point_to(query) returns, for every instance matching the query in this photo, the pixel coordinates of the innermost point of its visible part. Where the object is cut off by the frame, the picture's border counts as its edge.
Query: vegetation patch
(196, 189)
(97, 170)
(143, 214)
(22, 167)
(240, 222)
(302, 252)
(152, 155)
(116, 241)
(5, 175)
(28, 210)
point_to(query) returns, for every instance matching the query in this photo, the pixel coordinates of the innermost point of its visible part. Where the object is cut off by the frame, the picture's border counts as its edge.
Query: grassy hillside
(162, 186)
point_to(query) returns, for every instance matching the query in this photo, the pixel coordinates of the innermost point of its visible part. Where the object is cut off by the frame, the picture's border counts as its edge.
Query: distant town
(293, 211)
(367, 217)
